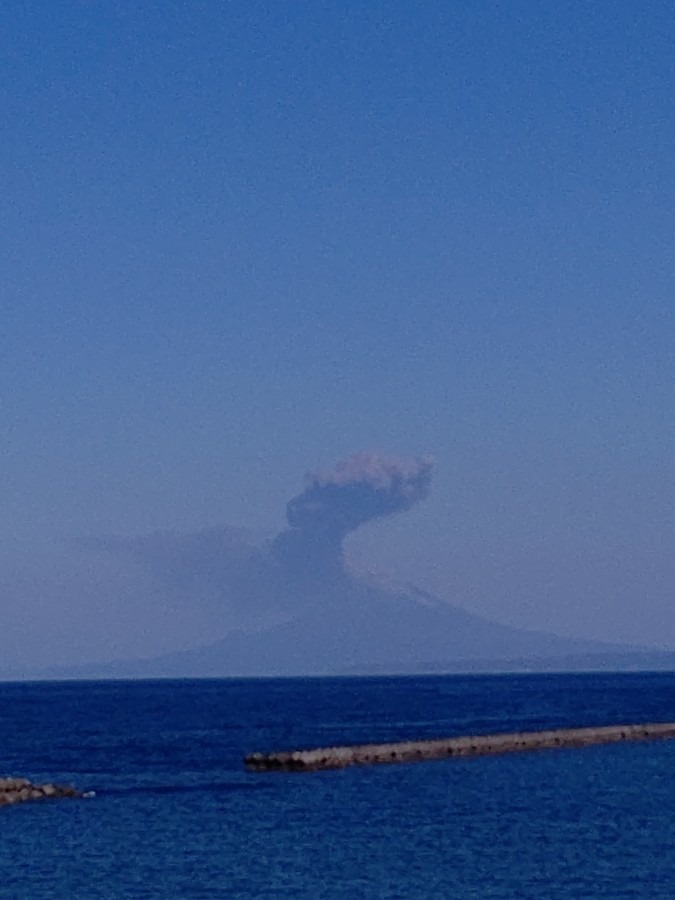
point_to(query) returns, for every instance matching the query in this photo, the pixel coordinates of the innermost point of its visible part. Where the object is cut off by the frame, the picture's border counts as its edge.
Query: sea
(176, 815)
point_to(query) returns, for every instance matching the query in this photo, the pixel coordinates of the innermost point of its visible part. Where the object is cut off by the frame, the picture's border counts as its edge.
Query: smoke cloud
(109, 597)
(359, 489)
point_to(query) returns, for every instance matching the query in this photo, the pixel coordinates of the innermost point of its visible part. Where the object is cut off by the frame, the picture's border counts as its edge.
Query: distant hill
(379, 631)
(300, 610)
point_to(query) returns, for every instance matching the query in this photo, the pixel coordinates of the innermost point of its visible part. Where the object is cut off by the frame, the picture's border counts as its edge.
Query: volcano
(303, 611)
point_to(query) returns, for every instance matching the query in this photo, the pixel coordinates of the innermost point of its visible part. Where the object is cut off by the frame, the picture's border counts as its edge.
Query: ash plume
(359, 489)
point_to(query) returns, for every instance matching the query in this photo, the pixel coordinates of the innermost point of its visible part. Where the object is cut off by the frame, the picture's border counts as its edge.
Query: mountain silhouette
(301, 610)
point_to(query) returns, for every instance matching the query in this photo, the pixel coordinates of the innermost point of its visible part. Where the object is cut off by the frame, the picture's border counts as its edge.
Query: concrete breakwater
(452, 747)
(21, 790)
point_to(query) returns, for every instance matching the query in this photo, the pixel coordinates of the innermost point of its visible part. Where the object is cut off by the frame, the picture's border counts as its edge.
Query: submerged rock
(21, 790)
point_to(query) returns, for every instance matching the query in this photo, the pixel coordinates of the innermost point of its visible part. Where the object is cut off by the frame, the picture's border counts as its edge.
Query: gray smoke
(107, 597)
(361, 488)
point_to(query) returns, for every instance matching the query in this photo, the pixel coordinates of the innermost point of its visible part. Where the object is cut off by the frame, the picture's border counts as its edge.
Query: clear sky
(241, 240)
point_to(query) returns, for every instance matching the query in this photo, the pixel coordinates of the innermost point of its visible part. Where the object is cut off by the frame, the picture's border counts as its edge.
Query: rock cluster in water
(21, 790)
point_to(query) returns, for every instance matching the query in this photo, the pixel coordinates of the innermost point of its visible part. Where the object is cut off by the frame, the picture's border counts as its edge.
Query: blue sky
(243, 239)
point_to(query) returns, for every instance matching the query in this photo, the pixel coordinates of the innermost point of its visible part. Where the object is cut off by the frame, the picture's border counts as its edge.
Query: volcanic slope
(303, 612)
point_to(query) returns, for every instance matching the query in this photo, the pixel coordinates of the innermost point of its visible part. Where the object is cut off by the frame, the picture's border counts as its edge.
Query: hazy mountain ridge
(300, 610)
(381, 633)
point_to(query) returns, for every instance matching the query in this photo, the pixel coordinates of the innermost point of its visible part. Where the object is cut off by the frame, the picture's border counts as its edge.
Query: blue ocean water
(176, 816)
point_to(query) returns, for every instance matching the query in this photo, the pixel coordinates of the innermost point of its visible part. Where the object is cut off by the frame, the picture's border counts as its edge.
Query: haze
(244, 241)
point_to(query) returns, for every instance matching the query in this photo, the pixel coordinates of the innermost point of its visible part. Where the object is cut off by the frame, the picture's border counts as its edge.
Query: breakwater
(21, 790)
(454, 747)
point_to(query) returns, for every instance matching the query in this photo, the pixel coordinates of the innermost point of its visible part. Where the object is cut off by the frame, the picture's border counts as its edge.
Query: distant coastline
(618, 661)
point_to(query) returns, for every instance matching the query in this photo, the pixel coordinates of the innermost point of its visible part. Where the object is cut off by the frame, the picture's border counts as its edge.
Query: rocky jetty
(454, 747)
(21, 790)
